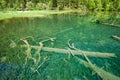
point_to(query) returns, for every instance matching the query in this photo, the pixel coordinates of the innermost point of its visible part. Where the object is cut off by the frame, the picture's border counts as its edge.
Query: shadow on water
(79, 29)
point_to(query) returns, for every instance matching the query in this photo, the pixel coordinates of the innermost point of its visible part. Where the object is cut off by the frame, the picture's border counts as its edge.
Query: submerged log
(116, 37)
(102, 73)
(75, 52)
(116, 25)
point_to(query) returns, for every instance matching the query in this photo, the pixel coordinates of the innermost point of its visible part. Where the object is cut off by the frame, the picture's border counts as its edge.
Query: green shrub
(100, 18)
(60, 7)
(39, 6)
(50, 4)
(29, 6)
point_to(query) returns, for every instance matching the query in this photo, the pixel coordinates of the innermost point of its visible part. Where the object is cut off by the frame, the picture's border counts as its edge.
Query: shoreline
(35, 13)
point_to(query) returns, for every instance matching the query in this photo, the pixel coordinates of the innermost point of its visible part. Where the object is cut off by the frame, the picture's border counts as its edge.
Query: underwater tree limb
(116, 25)
(50, 39)
(102, 73)
(28, 51)
(116, 37)
(72, 46)
(35, 69)
(28, 37)
(37, 53)
(75, 52)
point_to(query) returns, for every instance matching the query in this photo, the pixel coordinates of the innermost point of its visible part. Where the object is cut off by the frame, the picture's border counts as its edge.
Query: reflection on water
(84, 34)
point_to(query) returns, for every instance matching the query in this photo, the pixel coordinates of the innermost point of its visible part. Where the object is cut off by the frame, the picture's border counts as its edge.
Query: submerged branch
(75, 52)
(37, 53)
(116, 25)
(116, 37)
(50, 39)
(102, 73)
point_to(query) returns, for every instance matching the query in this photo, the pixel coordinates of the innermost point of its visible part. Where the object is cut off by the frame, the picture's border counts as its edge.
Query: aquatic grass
(31, 64)
(84, 34)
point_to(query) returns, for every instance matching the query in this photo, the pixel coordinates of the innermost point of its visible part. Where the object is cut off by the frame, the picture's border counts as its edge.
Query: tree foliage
(98, 5)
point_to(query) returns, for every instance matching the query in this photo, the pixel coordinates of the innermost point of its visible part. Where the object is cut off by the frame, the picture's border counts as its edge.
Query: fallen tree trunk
(116, 37)
(75, 52)
(116, 25)
(102, 73)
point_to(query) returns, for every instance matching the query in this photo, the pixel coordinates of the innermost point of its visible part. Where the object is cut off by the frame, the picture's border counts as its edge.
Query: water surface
(79, 30)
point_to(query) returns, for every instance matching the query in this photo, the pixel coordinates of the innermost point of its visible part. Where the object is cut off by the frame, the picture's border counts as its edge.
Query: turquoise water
(80, 30)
